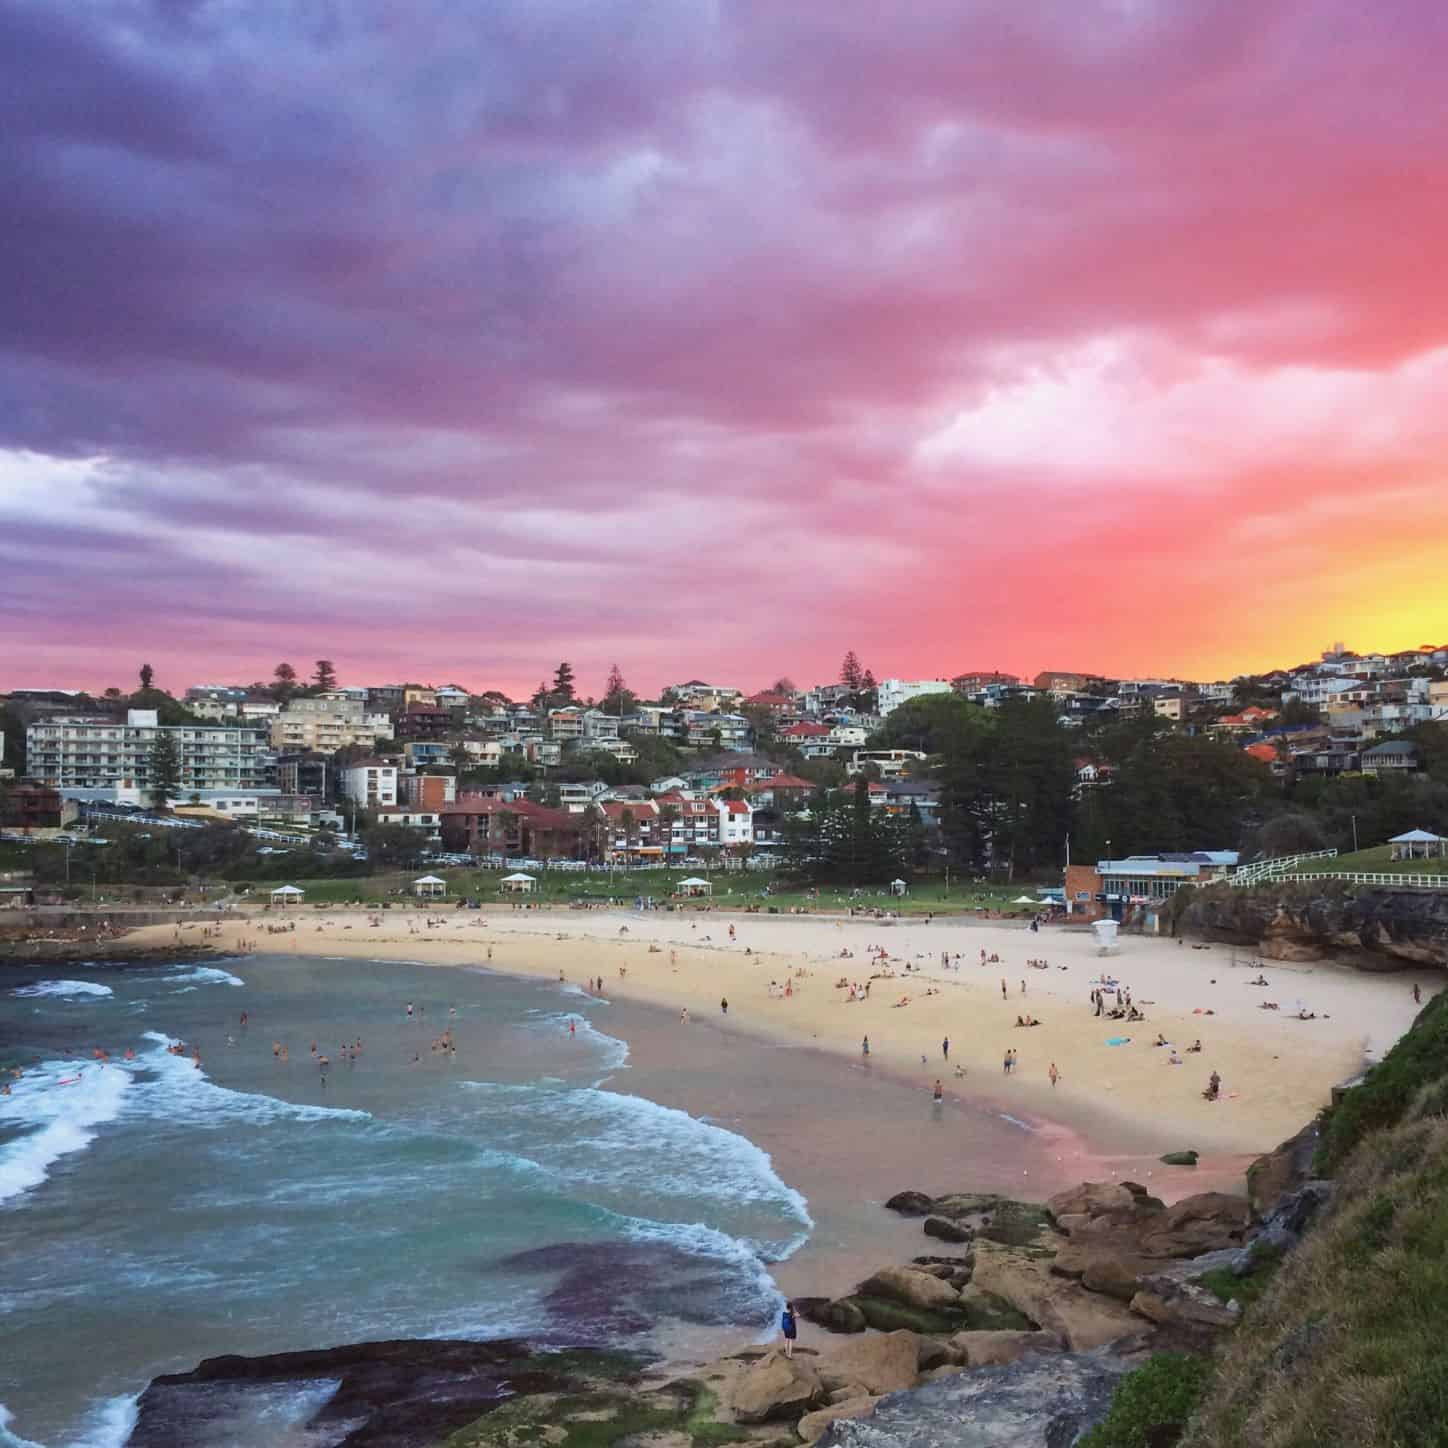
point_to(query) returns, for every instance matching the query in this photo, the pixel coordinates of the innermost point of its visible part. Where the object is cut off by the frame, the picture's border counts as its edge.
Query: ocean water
(153, 1212)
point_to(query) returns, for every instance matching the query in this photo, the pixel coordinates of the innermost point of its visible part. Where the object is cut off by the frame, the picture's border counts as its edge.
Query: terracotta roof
(784, 781)
(1265, 752)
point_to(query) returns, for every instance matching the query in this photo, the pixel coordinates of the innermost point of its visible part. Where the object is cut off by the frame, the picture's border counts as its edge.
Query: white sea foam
(700, 1158)
(209, 975)
(8, 1437)
(61, 1103)
(108, 1424)
(63, 989)
(179, 1094)
(613, 1051)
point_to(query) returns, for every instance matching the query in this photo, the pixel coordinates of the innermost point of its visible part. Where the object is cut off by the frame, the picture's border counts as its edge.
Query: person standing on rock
(789, 1326)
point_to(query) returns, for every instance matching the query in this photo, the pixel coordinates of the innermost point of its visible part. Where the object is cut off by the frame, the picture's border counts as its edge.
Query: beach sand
(788, 1072)
(1277, 1071)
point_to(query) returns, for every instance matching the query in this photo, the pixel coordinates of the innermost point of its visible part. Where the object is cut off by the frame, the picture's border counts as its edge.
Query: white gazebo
(898, 887)
(1419, 845)
(518, 884)
(287, 895)
(429, 887)
(695, 886)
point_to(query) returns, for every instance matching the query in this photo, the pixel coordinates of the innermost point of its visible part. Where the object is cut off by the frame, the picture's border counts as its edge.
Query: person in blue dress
(789, 1326)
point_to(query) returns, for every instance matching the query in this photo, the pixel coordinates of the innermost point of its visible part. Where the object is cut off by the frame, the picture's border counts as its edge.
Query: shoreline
(1277, 1071)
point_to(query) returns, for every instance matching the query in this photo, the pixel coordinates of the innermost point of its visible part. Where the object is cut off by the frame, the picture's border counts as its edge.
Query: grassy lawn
(732, 890)
(1374, 860)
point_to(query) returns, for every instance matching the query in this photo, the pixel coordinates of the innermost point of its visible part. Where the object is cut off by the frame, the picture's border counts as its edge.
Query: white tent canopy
(695, 886)
(429, 885)
(1418, 845)
(287, 895)
(518, 883)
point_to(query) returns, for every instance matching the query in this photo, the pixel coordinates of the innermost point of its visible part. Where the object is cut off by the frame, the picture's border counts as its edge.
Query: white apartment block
(895, 692)
(78, 752)
(370, 783)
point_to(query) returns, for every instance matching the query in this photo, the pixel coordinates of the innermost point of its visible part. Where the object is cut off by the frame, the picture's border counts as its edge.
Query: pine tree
(147, 674)
(563, 690)
(284, 682)
(618, 698)
(325, 675)
(850, 671)
(165, 771)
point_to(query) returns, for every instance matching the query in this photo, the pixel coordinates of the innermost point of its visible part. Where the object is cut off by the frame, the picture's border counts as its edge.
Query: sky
(716, 337)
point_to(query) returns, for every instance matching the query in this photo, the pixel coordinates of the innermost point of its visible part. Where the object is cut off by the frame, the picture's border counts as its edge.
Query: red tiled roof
(805, 731)
(784, 781)
(1265, 752)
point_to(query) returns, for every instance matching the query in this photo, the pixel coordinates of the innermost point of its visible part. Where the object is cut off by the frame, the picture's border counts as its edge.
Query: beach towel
(1118, 1040)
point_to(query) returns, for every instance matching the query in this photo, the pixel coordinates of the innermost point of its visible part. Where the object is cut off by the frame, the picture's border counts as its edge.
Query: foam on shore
(62, 1103)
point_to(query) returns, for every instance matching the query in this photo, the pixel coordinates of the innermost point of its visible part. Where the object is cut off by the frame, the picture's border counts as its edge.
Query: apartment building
(100, 753)
(326, 723)
(895, 692)
(369, 782)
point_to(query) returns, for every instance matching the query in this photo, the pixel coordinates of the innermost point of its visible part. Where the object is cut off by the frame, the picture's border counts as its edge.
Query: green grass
(1151, 1406)
(1376, 860)
(733, 890)
(1226, 1286)
(1418, 1061)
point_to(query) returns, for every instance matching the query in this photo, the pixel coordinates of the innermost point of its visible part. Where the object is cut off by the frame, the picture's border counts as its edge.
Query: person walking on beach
(945, 1048)
(789, 1326)
(724, 1005)
(865, 1046)
(1054, 1074)
(939, 1091)
(1417, 994)
(1004, 992)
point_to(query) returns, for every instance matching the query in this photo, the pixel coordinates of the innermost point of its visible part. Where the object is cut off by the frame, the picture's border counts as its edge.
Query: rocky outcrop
(946, 1231)
(1169, 1302)
(913, 1288)
(877, 1363)
(1042, 1401)
(1273, 1176)
(995, 1349)
(1377, 929)
(910, 1204)
(405, 1393)
(1083, 1320)
(775, 1387)
(813, 1424)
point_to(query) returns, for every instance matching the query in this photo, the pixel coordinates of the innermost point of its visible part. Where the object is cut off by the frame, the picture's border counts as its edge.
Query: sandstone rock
(775, 1387)
(1197, 1224)
(881, 1362)
(1044, 1401)
(945, 1370)
(946, 1231)
(933, 1353)
(813, 1424)
(967, 1204)
(1279, 1172)
(1171, 1303)
(994, 1349)
(914, 1288)
(936, 1269)
(910, 1204)
(845, 1393)
(1092, 1199)
(1116, 1274)
(1084, 1320)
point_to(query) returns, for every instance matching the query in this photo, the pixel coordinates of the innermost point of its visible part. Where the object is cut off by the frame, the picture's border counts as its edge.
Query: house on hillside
(1397, 756)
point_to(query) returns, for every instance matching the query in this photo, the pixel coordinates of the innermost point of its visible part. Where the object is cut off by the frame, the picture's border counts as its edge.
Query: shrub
(1151, 1406)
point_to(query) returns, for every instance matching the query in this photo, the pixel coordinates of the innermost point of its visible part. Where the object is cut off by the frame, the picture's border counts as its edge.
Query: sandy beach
(1276, 1069)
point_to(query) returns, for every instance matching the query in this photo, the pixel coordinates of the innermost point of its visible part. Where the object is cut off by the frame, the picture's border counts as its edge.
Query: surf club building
(1133, 891)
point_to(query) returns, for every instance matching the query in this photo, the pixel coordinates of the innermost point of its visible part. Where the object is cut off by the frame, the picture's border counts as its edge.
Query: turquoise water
(153, 1213)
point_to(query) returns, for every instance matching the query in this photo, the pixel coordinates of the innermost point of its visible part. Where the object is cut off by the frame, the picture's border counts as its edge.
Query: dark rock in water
(400, 1394)
(910, 1204)
(1041, 1401)
(946, 1231)
(1180, 1158)
(608, 1291)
